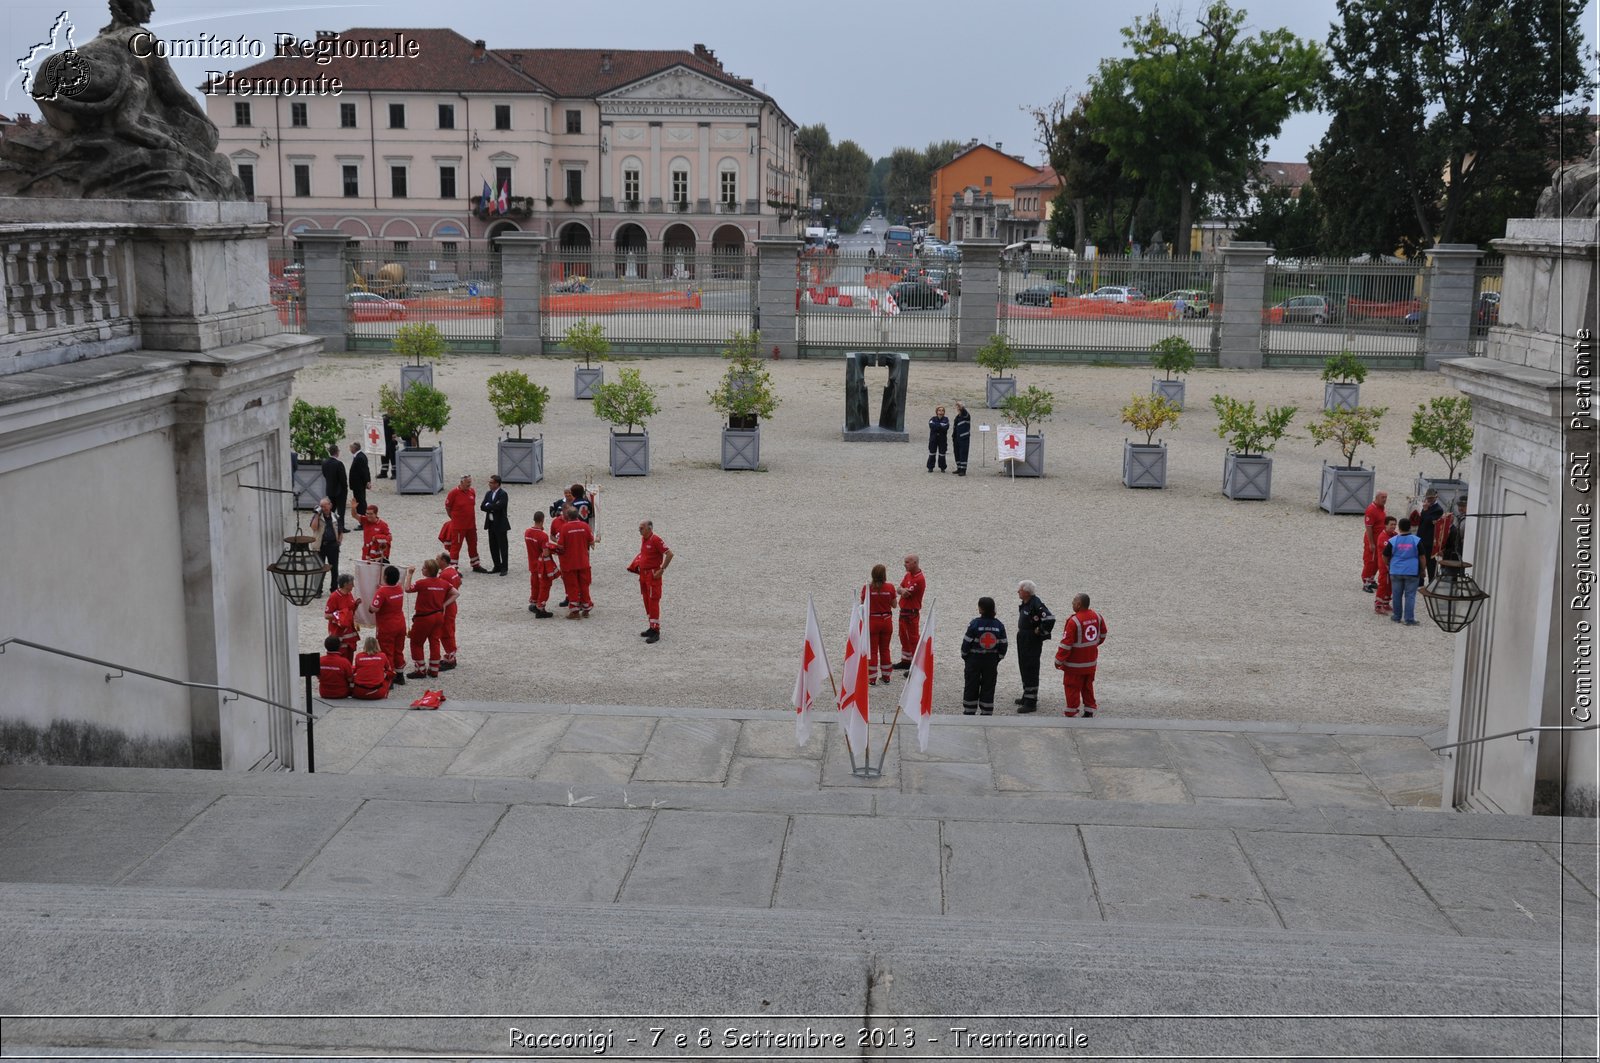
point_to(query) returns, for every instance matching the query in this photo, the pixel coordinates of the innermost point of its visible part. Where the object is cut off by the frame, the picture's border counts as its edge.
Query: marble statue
(1574, 191)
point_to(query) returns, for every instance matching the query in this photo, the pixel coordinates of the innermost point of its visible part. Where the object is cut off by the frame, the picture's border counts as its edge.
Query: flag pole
(885, 751)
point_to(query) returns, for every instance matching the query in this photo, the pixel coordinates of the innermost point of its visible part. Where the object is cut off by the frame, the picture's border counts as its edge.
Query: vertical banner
(372, 436)
(369, 574)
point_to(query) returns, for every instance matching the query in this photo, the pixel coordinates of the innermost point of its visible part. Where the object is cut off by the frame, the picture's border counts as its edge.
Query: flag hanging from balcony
(505, 196)
(488, 198)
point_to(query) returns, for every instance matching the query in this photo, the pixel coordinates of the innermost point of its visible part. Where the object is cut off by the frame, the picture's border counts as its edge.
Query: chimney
(326, 35)
(605, 62)
(516, 60)
(24, 119)
(997, 147)
(478, 50)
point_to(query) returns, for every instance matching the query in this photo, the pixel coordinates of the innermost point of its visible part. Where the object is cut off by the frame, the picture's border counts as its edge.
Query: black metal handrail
(1510, 734)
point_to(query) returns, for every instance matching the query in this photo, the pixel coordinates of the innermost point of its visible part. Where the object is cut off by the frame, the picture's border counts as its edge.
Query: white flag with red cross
(372, 436)
(853, 684)
(814, 678)
(1012, 443)
(916, 699)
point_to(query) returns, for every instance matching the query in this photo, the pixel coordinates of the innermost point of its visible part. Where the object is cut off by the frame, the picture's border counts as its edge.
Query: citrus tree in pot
(1145, 464)
(1342, 376)
(628, 402)
(587, 340)
(1251, 436)
(517, 403)
(312, 430)
(418, 470)
(1174, 356)
(744, 396)
(1035, 405)
(1347, 488)
(997, 356)
(1443, 426)
(424, 344)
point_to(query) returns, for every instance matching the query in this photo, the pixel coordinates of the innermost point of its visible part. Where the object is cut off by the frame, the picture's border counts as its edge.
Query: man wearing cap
(1373, 527)
(1432, 511)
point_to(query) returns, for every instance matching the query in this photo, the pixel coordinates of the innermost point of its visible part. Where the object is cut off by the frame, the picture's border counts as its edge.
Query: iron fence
(848, 302)
(455, 288)
(661, 302)
(285, 285)
(1315, 308)
(1110, 308)
(1488, 279)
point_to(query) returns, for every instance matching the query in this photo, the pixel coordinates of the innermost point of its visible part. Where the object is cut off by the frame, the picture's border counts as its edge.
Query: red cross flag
(916, 698)
(1011, 442)
(814, 678)
(853, 688)
(372, 436)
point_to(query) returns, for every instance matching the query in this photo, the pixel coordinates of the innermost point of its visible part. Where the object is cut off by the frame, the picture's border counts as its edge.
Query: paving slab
(399, 848)
(1033, 759)
(245, 843)
(1121, 749)
(956, 742)
(688, 751)
(761, 738)
(443, 727)
(802, 773)
(1194, 877)
(1334, 882)
(722, 859)
(556, 855)
(607, 734)
(348, 732)
(425, 761)
(1317, 789)
(836, 763)
(94, 838)
(1150, 785)
(1579, 859)
(1220, 764)
(18, 807)
(588, 768)
(1302, 752)
(947, 777)
(1403, 768)
(861, 864)
(510, 744)
(1035, 871)
(1499, 889)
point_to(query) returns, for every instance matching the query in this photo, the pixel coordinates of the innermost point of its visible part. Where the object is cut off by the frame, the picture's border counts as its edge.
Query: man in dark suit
(360, 477)
(336, 486)
(497, 524)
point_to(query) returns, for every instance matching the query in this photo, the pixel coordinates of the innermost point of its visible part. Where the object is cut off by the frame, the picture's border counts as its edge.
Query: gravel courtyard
(1217, 610)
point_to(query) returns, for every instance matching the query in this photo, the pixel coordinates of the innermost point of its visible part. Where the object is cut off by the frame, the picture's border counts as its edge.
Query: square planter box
(1247, 477)
(1339, 396)
(585, 380)
(419, 470)
(1347, 489)
(415, 374)
(630, 454)
(1171, 390)
(1033, 459)
(1144, 464)
(1449, 490)
(309, 487)
(741, 448)
(996, 389)
(521, 461)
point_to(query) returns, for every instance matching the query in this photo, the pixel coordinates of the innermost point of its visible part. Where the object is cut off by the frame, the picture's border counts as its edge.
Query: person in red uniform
(372, 673)
(462, 505)
(879, 596)
(1079, 654)
(912, 587)
(1371, 559)
(389, 606)
(654, 557)
(340, 612)
(427, 617)
(541, 567)
(447, 634)
(376, 539)
(572, 546)
(336, 672)
(1383, 603)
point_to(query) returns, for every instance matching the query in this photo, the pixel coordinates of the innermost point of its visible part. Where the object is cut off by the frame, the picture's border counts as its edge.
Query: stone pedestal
(324, 282)
(521, 262)
(1451, 302)
(776, 285)
(1244, 284)
(980, 296)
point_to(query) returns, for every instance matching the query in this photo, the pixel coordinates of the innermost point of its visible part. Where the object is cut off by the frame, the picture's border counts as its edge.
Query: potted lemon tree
(743, 396)
(587, 340)
(1175, 357)
(517, 403)
(1251, 436)
(424, 344)
(1145, 464)
(1342, 376)
(418, 470)
(1443, 426)
(1347, 488)
(312, 430)
(627, 403)
(1034, 405)
(997, 356)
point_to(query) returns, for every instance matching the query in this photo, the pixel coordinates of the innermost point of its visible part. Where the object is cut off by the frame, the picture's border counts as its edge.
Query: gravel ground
(1218, 610)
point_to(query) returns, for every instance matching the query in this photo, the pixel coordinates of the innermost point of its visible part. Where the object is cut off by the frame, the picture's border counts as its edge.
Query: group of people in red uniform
(1439, 533)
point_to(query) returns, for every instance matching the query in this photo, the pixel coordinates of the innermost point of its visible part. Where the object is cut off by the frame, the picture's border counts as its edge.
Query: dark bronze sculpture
(1574, 192)
(857, 407)
(118, 126)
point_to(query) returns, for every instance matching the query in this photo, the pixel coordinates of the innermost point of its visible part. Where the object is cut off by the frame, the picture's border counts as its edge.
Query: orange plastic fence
(618, 302)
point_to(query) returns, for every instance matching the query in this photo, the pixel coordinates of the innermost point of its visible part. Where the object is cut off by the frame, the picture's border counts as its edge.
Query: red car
(368, 306)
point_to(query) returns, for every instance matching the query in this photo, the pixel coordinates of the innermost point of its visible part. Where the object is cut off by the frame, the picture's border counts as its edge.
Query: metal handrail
(1509, 734)
(122, 668)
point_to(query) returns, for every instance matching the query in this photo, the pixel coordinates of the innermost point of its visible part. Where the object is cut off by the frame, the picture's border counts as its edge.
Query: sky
(950, 72)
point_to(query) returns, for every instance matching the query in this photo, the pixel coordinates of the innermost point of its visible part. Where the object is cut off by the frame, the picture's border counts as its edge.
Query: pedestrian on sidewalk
(1372, 526)
(389, 606)
(427, 619)
(983, 647)
(1404, 554)
(652, 561)
(879, 598)
(1035, 625)
(1079, 654)
(912, 587)
(961, 438)
(498, 525)
(541, 567)
(1383, 603)
(451, 574)
(572, 544)
(336, 483)
(462, 506)
(938, 437)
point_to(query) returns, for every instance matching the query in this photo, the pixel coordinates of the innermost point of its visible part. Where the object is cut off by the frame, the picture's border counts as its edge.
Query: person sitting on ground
(372, 673)
(335, 673)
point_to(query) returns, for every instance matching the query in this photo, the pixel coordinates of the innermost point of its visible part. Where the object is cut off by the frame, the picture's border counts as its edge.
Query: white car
(1117, 293)
(866, 230)
(833, 234)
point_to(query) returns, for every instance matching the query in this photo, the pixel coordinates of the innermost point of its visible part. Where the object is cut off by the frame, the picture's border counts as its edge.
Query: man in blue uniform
(983, 647)
(938, 437)
(961, 438)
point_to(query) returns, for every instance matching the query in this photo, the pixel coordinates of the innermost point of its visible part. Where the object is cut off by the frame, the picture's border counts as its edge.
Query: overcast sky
(931, 70)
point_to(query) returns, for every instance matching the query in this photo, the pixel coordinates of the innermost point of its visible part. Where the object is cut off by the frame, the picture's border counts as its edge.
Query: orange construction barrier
(617, 302)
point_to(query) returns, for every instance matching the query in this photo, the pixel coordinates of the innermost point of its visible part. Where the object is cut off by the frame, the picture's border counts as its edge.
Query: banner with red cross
(1011, 442)
(372, 436)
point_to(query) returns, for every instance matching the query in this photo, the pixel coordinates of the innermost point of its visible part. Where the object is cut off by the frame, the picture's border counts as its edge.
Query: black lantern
(1454, 599)
(298, 572)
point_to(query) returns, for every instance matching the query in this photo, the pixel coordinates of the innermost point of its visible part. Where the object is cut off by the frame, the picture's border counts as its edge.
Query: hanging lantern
(298, 572)
(1454, 599)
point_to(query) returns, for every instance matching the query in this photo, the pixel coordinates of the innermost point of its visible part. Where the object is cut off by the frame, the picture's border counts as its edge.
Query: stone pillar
(521, 260)
(1452, 291)
(980, 296)
(776, 288)
(324, 283)
(1243, 293)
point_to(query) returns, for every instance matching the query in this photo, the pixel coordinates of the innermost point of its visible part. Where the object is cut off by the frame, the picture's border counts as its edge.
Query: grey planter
(1171, 390)
(997, 389)
(1347, 489)
(521, 461)
(741, 448)
(1032, 463)
(308, 483)
(1144, 464)
(1449, 490)
(630, 453)
(584, 381)
(415, 374)
(419, 470)
(1247, 477)
(1340, 396)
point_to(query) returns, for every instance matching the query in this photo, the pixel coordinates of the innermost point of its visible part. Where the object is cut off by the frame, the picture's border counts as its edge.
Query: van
(897, 240)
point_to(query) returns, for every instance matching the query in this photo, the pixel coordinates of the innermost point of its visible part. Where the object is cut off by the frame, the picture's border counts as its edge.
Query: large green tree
(840, 173)
(1190, 113)
(1446, 117)
(910, 173)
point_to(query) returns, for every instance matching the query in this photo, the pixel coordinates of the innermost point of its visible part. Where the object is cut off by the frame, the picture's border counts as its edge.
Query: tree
(1290, 224)
(1191, 113)
(840, 173)
(1447, 115)
(910, 177)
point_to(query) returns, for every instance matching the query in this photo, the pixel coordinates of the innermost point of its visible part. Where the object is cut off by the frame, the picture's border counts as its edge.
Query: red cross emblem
(372, 436)
(1011, 442)
(987, 640)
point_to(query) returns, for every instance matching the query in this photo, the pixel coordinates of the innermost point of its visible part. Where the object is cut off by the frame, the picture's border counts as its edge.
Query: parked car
(866, 230)
(1302, 309)
(947, 279)
(918, 295)
(1117, 293)
(1196, 303)
(1489, 309)
(370, 306)
(1041, 294)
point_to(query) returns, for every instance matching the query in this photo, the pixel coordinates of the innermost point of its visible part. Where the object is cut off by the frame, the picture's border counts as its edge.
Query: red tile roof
(1290, 175)
(1043, 177)
(447, 62)
(581, 72)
